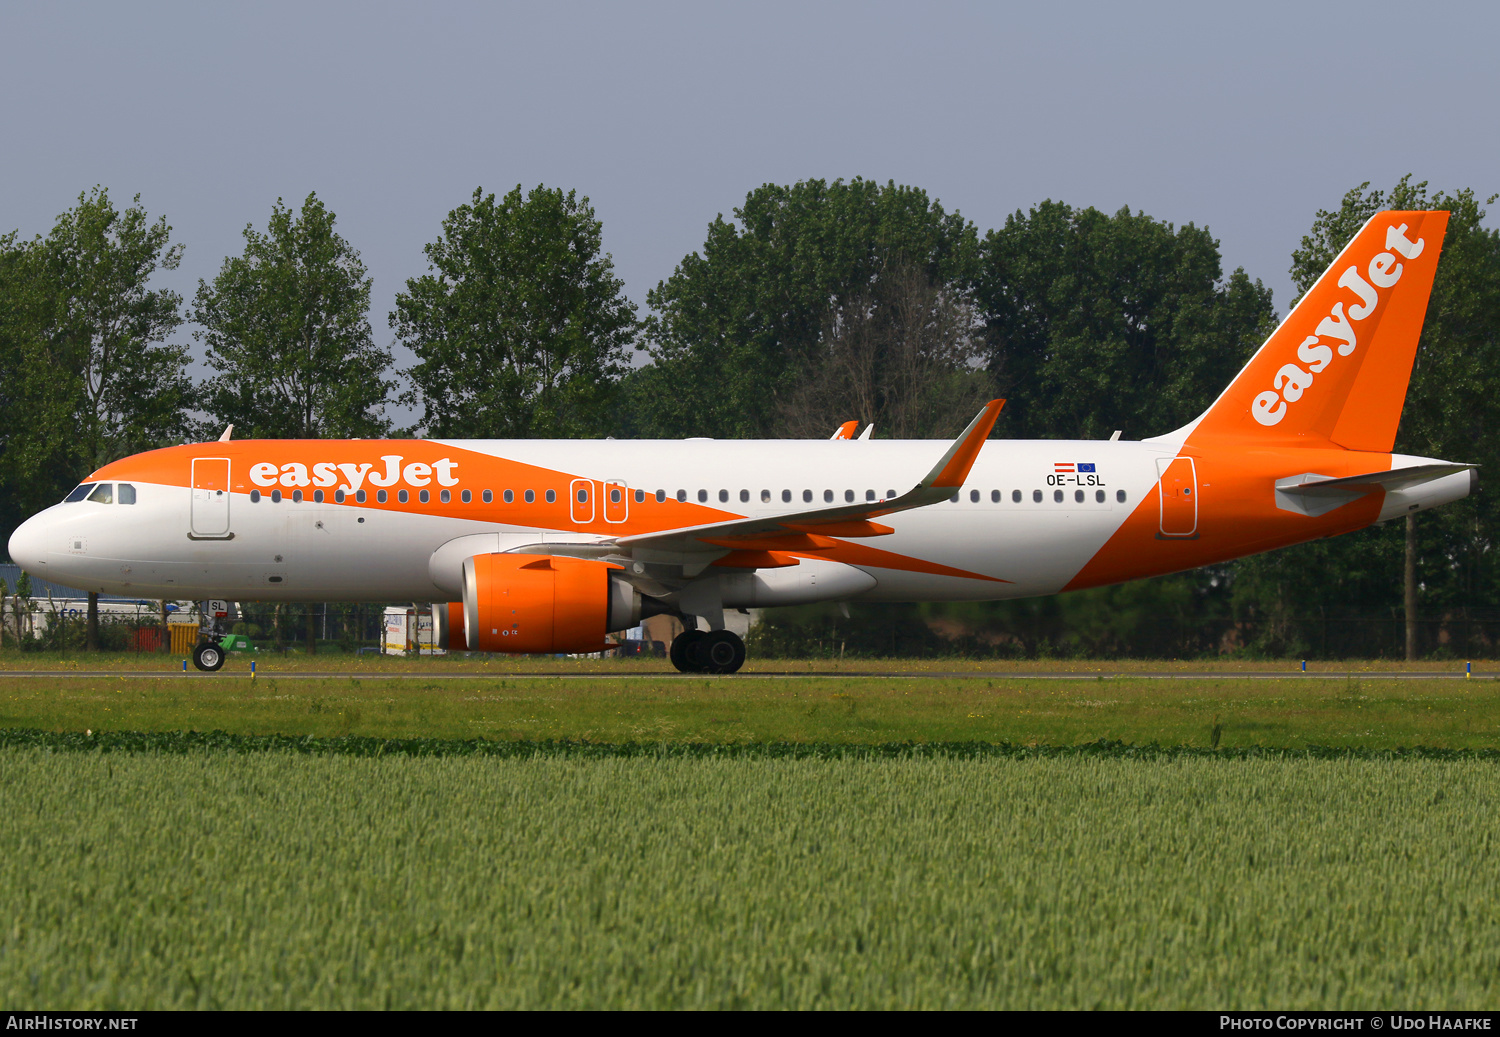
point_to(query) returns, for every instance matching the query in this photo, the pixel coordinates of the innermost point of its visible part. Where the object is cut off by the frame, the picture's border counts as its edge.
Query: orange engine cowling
(543, 603)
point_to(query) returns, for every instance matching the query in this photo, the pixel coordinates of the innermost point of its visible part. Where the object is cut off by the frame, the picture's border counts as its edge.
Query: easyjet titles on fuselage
(326, 473)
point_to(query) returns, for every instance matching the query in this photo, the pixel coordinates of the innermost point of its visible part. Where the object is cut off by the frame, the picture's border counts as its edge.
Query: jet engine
(448, 626)
(539, 603)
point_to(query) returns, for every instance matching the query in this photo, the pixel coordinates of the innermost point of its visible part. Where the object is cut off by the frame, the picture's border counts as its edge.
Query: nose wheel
(208, 657)
(717, 651)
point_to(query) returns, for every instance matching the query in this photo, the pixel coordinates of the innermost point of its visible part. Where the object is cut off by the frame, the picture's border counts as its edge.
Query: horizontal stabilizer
(1394, 479)
(1314, 495)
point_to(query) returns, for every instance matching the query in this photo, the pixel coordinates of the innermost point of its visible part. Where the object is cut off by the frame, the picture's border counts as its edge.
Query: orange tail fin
(1337, 368)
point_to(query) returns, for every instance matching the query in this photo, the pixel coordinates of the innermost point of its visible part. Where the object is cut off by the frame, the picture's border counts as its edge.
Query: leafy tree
(521, 328)
(287, 329)
(34, 408)
(109, 330)
(1098, 322)
(89, 375)
(739, 327)
(902, 353)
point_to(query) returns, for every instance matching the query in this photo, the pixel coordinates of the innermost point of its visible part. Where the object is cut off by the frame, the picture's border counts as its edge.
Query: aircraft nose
(27, 544)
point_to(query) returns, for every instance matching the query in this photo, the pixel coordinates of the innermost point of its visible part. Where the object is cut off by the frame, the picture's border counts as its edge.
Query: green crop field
(278, 879)
(585, 834)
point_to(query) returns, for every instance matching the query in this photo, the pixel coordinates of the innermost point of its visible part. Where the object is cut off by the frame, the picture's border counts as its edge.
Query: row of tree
(817, 302)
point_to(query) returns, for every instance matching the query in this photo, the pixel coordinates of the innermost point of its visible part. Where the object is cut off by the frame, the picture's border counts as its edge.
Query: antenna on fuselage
(1113, 439)
(227, 430)
(868, 429)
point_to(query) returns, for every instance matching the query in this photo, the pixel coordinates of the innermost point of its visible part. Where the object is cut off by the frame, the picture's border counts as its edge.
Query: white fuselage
(325, 551)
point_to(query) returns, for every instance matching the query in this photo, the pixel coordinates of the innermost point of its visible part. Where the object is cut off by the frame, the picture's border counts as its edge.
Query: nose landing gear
(714, 651)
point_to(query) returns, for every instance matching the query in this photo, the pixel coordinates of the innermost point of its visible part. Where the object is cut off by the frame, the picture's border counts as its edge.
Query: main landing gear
(208, 656)
(713, 651)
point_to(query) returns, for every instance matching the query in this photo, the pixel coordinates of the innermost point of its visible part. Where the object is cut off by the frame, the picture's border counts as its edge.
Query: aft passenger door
(1177, 489)
(210, 516)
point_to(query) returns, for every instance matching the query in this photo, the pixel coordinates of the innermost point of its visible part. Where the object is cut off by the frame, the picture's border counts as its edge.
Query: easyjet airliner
(547, 546)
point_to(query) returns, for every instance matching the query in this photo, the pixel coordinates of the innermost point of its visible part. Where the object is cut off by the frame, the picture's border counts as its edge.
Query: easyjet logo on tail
(1381, 274)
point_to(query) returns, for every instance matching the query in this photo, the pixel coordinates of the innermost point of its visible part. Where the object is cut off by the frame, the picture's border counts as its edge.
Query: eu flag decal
(1085, 467)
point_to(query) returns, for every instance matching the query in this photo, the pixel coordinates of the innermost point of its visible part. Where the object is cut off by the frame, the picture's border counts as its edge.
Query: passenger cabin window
(276, 496)
(994, 496)
(661, 496)
(765, 496)
(1015, 495)
(360, 496)
(869, 495)
(1057, 496)
(702, 496)
(317, 496)
(468, 496)
(827, 496)
(1078, 496)
(953, 499)
(446, 496)
(849, 496)
(104, 493)
(125, 493)
(255, 497)
(1036, 496)
(682, 496)
(640, 496)
(786, 496)
(79, 492)
(744, 496)
(615, 495)
(807, 496)
(380, 496)
(723, 496)
(338, 496)
(530, 496)
(973, 496)
(296, 496)
(890, 494)
(551, 496)
(402, 496)
(1120, 496)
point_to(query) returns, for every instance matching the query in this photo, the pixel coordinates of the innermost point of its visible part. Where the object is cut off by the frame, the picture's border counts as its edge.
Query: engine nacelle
(543, 603)
(448, 626)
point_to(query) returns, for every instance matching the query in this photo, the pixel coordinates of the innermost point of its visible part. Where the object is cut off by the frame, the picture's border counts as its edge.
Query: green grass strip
(355, 745)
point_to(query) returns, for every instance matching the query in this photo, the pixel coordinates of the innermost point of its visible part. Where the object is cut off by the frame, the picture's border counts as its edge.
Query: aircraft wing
(798, 530)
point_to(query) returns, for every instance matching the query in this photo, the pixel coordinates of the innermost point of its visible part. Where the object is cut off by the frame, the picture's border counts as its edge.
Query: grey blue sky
(1246, 118)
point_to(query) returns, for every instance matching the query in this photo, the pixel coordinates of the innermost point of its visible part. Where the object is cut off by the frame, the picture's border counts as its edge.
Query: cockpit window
(79, 492)
(126, 493)
(104, 493)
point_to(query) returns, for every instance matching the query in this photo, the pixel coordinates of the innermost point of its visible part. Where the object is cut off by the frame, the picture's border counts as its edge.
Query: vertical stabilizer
(1337, 368)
